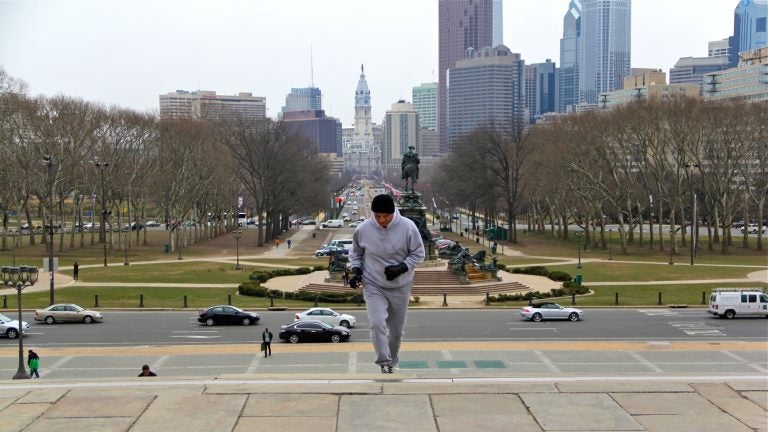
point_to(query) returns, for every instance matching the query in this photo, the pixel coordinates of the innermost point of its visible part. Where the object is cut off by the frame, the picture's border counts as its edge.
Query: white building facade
(362, 154)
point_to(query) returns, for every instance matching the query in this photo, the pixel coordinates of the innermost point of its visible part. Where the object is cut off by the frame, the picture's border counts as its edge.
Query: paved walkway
(387, 403)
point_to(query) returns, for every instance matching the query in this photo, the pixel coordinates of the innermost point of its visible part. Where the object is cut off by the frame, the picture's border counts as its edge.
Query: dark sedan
(224, 314)
(313, 331)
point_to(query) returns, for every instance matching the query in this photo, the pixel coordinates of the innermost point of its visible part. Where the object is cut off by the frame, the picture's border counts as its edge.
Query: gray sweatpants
(387, 310)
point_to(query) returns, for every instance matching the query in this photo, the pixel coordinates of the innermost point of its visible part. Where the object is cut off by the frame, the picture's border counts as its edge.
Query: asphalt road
(181, 328)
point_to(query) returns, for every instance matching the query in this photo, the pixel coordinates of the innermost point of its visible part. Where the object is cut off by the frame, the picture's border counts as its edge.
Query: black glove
(394, 271)
(357, 277)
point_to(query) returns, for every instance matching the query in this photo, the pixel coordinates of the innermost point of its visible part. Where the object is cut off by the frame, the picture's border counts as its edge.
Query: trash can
(577, 279)
(167, 248)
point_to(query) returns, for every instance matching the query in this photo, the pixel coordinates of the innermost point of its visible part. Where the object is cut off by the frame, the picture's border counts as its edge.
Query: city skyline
(129, 54)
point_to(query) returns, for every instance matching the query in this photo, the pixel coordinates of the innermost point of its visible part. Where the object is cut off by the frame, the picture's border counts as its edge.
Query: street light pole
(610, 240)
(579, 234)
(102, 229)
(20, 277)
(694, 219)
(237, 234)
(48, 161)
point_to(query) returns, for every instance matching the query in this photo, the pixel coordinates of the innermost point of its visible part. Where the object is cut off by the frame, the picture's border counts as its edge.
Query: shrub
(501, 266)
(559, 276)
(533, 270)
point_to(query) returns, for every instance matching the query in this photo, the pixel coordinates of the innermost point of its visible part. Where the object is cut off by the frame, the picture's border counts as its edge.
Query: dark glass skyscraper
(463, 24)
(568, 73)
(604, 48)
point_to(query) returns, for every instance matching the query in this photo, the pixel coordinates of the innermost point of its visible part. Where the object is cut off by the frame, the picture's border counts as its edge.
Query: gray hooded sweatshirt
(374, 248)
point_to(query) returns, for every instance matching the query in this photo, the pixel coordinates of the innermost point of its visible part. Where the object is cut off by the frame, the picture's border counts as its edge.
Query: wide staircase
(431, 282)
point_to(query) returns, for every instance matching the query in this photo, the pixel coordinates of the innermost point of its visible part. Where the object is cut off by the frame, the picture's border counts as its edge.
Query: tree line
(638, 166)
(186, 172)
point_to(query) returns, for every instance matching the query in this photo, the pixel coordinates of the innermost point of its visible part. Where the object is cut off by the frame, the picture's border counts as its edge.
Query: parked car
(152, 224)
(225, 314)
(67, 313)
(328, 316)
(355, 224)
(10, 327)
(313, 331)
(330, 250)
(548, 310)
(309, 222)
(752, 228)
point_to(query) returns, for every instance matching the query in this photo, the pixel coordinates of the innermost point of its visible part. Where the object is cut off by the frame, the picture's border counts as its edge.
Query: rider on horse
(410, 166)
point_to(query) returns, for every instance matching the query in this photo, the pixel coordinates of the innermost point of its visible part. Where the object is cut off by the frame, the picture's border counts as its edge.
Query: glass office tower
(568, 87)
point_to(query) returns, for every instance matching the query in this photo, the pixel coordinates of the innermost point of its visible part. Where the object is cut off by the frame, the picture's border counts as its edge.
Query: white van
(729, 302)
(342, 243)
(333, 223)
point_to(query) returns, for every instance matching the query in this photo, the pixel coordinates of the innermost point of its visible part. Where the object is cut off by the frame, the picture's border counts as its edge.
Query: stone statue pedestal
(334, 276)
(410, 206)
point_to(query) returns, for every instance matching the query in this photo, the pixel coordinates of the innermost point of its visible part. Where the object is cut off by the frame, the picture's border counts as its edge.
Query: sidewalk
(385, 403)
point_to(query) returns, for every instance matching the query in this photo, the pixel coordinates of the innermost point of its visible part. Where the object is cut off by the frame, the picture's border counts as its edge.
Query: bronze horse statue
(410, 171)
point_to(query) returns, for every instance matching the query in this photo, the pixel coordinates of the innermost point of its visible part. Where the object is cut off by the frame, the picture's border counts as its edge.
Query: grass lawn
(618, 271)
(177, 272)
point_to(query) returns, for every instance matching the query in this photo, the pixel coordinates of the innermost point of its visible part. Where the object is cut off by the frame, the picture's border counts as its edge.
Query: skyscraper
(605, 47)
(462, 24)
(749, 28)
(425, 103)
(568, 75)
(321, 131)
(498, 23)
(486, 86)
(303, 99)
(540, 89)
(401, 129)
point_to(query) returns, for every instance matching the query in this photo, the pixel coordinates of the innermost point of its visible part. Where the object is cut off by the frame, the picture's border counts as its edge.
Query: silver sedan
(548, 310)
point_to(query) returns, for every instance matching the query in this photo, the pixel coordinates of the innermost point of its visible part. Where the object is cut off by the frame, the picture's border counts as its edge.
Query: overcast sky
(130, 51)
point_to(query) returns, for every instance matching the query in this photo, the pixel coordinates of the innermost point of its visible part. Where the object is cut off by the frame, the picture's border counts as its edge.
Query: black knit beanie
(383, 204)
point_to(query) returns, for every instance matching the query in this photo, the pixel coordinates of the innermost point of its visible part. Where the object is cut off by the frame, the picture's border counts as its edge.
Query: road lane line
(55, 366)
(645, 361)
(254, 363)
(352, 362)
(156, 365)
(747, 362)
(547, 361)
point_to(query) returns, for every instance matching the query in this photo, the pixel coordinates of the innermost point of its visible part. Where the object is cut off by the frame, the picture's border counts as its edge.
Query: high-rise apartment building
(321, 131)
(749, 28)
(425, 103)
(401, 129)
(568, 74)
(462, 24)
(540, 89)
(362, 153)
(605, 47)
(691, 70)
(209, 105)
(303, 99)
(486, 86)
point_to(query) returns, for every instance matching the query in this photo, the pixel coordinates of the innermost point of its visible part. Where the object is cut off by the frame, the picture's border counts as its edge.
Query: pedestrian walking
(266, 342)
(289, 243)
(277, 243)
(386, 249)
(75, 271)
(145, 372)
(33, 361)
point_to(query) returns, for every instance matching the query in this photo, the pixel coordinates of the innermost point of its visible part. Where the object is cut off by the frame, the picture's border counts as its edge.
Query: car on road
(333, 223)
(330, 250)
(328, 316)
(67, 312)
(152, 224)
(752, 229)
(313, 331)
(355, 224)
(10, 327)
(225, 314)
(309, 222)
(549, 310)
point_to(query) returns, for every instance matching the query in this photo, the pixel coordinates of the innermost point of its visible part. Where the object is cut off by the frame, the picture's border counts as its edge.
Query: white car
(549, 310)
(10, 327)
(328, 316)
(752, 229)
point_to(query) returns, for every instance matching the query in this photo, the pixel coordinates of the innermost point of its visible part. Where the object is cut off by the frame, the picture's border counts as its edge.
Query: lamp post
(579, 234)
(102, 233)
(610, 240)
(237, 234)
(20, 277)
(694, 219)
(104, 216)
(48, 162)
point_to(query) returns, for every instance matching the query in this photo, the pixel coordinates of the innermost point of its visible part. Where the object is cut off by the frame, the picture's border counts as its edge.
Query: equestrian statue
(410, 167)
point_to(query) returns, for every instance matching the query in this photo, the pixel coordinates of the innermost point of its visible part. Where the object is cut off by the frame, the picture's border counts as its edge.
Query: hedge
(253, 287)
